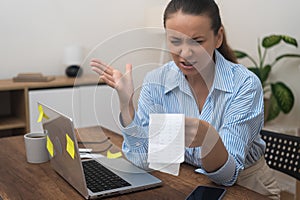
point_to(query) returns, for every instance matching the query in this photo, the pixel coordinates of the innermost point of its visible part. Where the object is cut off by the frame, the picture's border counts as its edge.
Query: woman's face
(191, 41)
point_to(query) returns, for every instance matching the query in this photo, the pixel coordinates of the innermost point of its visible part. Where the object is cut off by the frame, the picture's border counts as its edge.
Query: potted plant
(281, 98)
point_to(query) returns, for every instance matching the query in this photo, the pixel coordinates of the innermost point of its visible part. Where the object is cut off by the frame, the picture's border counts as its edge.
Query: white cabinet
(86, 105)
(99, 106)
(64, 100)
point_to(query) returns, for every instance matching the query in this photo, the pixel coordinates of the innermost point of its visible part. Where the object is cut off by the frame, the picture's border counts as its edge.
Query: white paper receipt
(166, 142)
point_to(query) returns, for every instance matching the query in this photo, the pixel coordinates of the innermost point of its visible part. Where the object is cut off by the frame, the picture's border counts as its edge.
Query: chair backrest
(282, 152)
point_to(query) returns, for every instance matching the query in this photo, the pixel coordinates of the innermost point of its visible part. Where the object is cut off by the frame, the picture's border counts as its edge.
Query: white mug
(35, 146)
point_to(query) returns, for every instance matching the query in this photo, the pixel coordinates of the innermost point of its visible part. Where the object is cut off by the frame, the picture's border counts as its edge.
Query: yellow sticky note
(50, 147)
(113, 155)
(70, 146)
(42, 114)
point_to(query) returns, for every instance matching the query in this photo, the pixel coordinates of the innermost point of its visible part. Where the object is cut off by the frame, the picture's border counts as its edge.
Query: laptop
(92, 178)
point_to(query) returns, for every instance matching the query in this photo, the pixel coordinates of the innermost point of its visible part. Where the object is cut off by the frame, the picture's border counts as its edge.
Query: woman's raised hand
(123, 83)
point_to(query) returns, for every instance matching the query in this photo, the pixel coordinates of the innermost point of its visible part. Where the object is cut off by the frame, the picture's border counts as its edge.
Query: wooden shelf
(14, 102)
(10, 122)
(59, 81)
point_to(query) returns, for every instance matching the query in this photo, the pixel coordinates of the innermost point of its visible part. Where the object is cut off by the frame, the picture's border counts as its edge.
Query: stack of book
(32, 77)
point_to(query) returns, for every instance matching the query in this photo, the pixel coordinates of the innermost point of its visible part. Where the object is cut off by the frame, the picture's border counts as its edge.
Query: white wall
(34, 33)
(246, 21)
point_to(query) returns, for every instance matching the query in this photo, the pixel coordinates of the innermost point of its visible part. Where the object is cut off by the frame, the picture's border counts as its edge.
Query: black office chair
(283, 154)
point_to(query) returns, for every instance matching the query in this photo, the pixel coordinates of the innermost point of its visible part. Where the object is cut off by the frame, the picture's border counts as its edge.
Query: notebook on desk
(92, 178)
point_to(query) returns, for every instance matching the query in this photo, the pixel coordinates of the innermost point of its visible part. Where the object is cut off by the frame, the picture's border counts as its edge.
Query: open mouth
(187, 65)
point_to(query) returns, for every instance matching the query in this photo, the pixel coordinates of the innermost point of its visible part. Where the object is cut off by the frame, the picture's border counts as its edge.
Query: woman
(222, 100)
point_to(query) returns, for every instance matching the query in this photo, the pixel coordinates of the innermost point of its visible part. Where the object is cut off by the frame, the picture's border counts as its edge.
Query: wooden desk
(21, 180)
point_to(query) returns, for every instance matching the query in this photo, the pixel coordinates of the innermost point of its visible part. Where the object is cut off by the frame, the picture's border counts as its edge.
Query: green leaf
(255, 70)
(258, 49)
(289, 40)
(288, 56)
(273, 109)
(240, 54)
(284, 96)
(264, 73)
(270, 41)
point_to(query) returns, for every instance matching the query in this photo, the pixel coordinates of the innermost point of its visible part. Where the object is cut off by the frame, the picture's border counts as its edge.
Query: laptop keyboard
(99, 178)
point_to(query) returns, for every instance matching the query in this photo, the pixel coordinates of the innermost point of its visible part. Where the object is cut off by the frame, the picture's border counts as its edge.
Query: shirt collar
(175, 78)
(224, 75)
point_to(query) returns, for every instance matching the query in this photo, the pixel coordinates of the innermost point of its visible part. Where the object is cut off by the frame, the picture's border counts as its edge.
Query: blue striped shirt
(234, 107)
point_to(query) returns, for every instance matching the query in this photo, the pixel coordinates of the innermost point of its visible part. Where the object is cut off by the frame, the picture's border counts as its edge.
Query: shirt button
(137, 144)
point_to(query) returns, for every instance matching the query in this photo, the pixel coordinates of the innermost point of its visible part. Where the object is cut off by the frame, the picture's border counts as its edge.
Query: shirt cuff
(134, 136)
(224, 175)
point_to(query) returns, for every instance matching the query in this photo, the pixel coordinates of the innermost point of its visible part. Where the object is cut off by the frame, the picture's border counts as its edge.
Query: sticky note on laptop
(41, 114)
(50, 147)
(70, 146)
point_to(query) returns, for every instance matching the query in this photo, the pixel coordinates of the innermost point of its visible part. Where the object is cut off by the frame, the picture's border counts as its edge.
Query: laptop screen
(66, 158)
